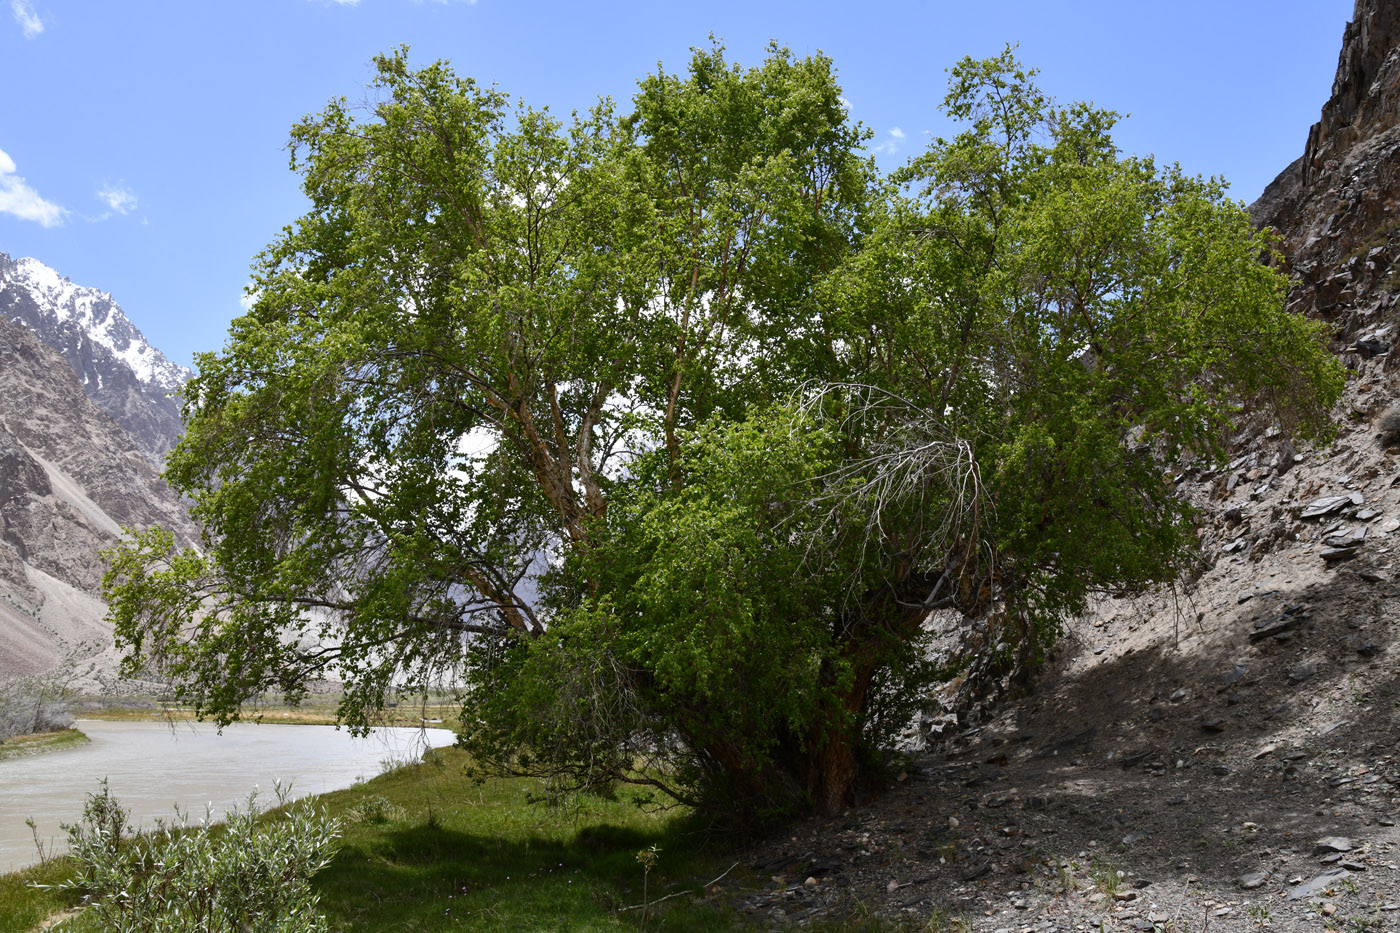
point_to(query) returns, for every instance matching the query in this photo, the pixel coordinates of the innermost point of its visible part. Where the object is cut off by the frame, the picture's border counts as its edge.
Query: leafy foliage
(671, 429)
(455, 354)
(251, 874)
(1079, 319)
(41, 702)
(722, 648)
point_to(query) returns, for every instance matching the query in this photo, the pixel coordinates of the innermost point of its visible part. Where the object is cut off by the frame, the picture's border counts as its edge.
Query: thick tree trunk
(834, 760)
(834, 765)
(837, 769)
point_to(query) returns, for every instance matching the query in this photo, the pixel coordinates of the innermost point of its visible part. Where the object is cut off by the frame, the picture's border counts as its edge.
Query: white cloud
(17, 198)
(249, 298)
(28, 20)
(891, 145)
(119, 198)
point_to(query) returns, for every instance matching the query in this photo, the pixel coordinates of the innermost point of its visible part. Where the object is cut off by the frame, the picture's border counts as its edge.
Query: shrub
(251, 875)
(40, 702)
(375, 808)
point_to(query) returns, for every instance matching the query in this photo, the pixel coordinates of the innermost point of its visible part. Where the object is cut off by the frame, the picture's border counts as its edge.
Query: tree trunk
(834, 759)
(834, 765)
(837, 770)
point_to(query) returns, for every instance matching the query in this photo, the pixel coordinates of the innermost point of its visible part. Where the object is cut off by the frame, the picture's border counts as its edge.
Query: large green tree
(668, 431)
(1071, 320)
(457, 352)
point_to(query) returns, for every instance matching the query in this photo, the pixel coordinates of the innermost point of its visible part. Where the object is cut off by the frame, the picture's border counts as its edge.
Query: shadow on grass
(429, 877)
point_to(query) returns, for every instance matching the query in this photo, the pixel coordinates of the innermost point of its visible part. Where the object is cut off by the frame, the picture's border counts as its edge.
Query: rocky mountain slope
(1337, 207)
(70, 479)
(1224, 756)
(118, 369)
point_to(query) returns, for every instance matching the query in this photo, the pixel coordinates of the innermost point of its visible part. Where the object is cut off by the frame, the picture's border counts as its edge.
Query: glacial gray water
(151, 768)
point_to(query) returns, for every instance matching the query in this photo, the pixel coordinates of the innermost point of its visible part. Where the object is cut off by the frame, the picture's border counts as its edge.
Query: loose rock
(1317, 885)
(1332, 844)
(1252, 880)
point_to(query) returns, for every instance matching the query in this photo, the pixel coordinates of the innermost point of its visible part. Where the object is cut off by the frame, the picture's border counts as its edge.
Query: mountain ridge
(116, 366)
(1336, 208)
(71, 479)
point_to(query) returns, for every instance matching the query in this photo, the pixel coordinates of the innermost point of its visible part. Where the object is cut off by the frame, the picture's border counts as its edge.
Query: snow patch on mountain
(116, 366)
(97, 314)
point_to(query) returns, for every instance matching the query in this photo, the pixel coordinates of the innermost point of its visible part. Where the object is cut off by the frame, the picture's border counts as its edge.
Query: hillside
(70, 480)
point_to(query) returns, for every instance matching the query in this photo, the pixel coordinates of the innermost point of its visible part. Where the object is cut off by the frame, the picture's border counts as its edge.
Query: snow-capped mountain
(116, 366)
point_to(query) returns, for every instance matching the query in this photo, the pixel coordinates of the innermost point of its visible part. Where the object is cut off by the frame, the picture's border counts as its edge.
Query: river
(152, 767)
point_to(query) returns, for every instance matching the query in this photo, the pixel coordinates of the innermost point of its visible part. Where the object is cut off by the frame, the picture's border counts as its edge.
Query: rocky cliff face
(118, 369)
(70, 480)
(1338, 206)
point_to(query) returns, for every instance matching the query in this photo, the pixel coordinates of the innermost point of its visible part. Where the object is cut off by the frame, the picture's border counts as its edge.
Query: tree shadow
(1272, 725)
(428, 876)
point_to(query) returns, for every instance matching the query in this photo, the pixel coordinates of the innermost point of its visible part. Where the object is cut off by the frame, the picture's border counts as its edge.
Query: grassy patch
(1106, 875)
(23, 745)
(456, 853)
(24, 907)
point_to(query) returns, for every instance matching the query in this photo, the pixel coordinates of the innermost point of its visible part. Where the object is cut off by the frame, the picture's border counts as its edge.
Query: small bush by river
(37, 703)
(248, 874)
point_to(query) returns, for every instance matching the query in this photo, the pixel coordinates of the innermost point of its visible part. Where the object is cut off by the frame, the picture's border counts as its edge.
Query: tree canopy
(663, 433)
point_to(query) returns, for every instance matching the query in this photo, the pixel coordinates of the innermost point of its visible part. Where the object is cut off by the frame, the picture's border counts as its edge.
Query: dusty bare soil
(1222, 757)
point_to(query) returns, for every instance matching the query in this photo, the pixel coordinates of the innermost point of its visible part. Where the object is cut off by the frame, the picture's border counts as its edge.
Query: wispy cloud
(894, 141)
(118, 197)
(28, 20)
(22, 201)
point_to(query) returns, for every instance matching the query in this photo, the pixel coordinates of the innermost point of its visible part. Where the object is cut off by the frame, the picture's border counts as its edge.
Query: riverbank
(444, 716)
(435, 846)
(153, 766)
(22, 746)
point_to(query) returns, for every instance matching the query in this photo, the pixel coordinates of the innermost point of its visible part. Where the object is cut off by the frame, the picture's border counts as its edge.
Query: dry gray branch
(915, 465)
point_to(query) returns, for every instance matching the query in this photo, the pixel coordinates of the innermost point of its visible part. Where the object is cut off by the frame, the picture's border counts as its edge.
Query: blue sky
(141, 143)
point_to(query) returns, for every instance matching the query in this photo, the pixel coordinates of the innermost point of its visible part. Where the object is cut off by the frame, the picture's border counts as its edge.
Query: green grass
(1105, 874)
(36, 744)
(22, 907)
(450, 852)
(468, 855)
